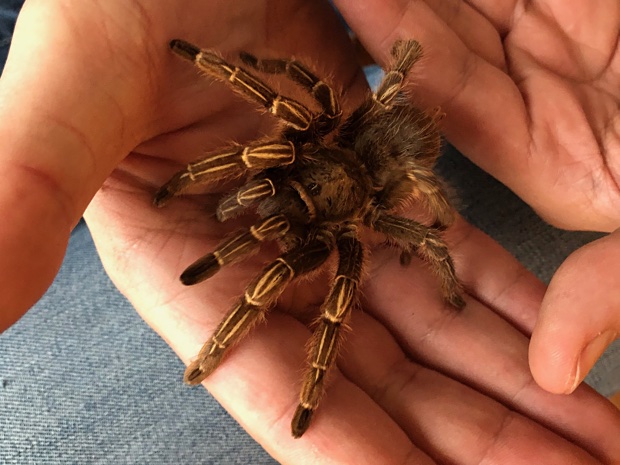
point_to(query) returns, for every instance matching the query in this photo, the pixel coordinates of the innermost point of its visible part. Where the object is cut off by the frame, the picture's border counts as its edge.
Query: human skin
(96, 112)
(531, 92)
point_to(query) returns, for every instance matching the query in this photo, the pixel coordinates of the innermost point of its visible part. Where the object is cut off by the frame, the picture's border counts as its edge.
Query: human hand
(96, 81)
(531, 94)
(112, 89)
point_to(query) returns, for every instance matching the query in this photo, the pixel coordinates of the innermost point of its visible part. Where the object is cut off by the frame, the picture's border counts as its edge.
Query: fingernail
(589, 355)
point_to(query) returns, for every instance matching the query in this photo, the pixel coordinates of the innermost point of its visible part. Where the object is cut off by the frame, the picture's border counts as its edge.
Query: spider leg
(428, 244)
(244, 197)
(405, 54)
(235, 248)
(319, 89)
(290, 111)
(233, 161)
(260, 293)
(431, 191)
(327, 336)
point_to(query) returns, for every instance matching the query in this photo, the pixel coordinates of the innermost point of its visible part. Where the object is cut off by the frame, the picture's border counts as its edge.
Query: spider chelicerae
(313, 186)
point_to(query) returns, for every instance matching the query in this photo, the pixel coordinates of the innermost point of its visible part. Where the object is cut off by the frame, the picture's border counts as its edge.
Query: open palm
(531, 93)
(116, 114)
(544, 75)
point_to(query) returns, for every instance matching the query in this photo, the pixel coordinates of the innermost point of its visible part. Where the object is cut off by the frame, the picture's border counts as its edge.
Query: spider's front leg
(428, 244)
(230, 162)
(293, 113)
(322, 92)
(235, 248)
(262, 292)
(327, 336)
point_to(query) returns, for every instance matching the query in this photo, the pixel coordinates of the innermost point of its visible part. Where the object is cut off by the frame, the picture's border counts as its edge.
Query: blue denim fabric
(83, 380)
(8, 15)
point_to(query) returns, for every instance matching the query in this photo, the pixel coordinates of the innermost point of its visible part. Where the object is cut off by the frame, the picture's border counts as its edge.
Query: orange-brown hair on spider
(314, 185)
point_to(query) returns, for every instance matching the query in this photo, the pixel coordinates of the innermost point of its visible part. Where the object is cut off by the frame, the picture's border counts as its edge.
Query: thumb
(63, 129)
(579, 317)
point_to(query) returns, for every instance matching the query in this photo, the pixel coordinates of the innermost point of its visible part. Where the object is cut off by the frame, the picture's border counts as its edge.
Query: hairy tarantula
(313, 186)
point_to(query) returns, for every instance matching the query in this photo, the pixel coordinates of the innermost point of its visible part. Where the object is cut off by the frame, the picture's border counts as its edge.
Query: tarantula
(313, 186)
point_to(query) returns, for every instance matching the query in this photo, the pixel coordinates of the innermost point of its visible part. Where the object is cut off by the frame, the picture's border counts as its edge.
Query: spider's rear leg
(293, 113)
(428, 244)
(261, 293)
(320, 90)
(405, 54)
(235, 248)
(327, 336)
(429, 189)
(230, 162)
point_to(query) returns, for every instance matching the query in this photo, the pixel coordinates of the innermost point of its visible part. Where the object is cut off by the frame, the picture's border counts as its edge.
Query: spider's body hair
(314, 186)
(328, 181)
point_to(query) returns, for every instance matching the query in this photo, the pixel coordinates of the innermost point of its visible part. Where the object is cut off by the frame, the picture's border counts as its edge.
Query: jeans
(84, 380)
(8, 14)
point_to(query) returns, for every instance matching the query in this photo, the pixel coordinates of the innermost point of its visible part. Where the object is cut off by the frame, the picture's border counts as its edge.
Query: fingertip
(578, 318)
(590, 355)
(33, 241)
(553, 367)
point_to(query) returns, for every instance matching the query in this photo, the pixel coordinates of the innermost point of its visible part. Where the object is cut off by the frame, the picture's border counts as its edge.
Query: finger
(407, 302)
(471, 27)
(447, 419)
(63, 127)
(579, 316)
(593, 17)
(500, 14)
(515, 293)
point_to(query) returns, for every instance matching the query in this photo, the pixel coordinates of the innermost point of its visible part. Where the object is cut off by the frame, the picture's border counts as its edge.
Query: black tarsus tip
(248, 59)
(194, 376)
(458, 302)
(161, 197)
(301, 421)
(184, 49)
(200, 270)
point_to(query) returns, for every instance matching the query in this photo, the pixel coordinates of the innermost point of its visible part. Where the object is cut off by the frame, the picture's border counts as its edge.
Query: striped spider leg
(298, 72)
(260, 294)
(328, 334)
(292, 113)
(427, 243)
(231, 162)
(429, 189)
(235, 248)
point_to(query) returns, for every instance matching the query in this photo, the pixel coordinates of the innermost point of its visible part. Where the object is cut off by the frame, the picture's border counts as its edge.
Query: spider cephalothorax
(313, 193)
